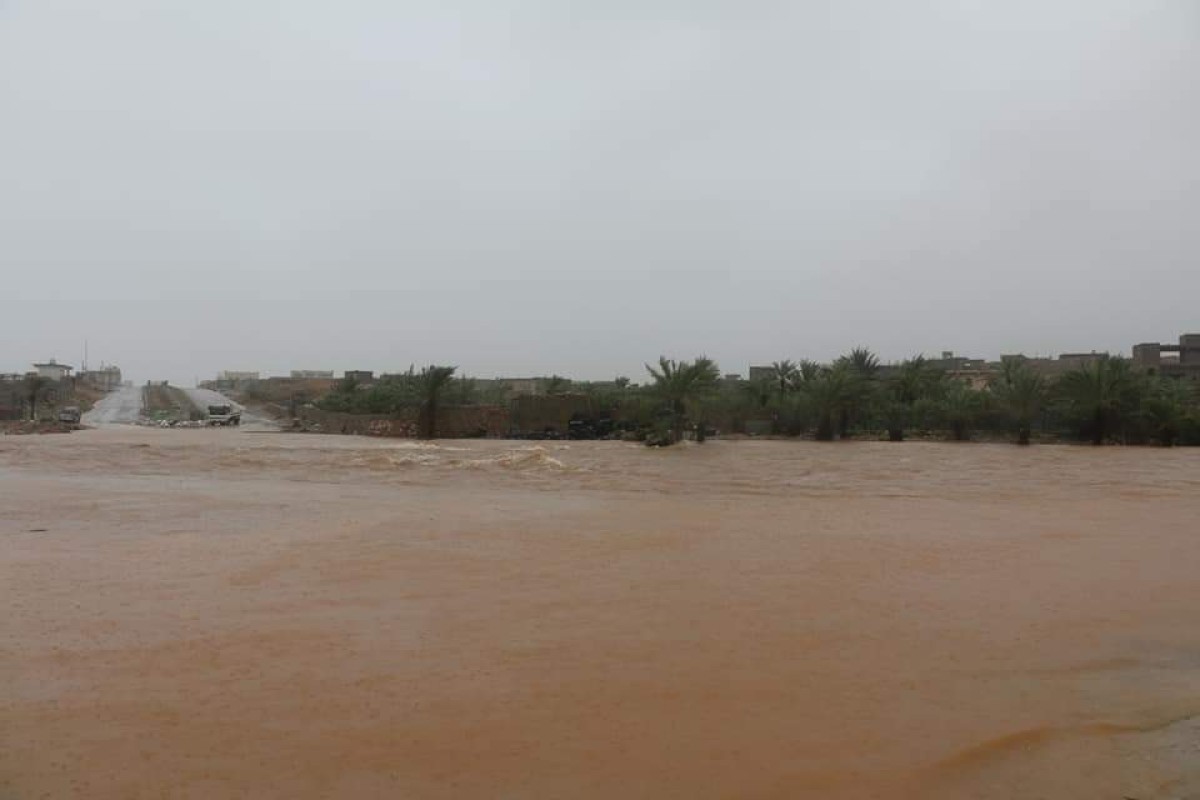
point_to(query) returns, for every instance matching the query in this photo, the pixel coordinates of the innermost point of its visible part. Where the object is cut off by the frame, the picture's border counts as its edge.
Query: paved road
(116, 408)
(203, 398)
(123, 407)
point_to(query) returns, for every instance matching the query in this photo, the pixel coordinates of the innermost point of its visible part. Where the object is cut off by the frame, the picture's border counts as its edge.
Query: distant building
(231, 376)
(761, 373)
(105, 379)
(53, 370)
(952, 363)
(307, 374)
(359, 375)
(520, 387)
(1056, 367)
(1173, 361)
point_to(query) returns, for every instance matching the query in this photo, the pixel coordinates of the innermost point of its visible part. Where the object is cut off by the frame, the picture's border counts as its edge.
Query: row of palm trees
(855, 394)
(1102, 401)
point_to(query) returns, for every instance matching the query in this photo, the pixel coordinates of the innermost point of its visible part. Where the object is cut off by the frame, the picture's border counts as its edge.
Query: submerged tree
(680, 383)
(432, 382)
(1020, 392)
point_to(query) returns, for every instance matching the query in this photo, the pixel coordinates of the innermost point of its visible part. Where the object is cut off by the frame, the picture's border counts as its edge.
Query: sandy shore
(216, 613)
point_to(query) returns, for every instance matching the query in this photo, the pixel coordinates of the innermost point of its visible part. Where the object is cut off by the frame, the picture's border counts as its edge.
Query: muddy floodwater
(217, 613)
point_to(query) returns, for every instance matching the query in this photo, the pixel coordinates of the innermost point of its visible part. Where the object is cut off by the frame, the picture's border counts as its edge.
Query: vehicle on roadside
(70, 415)
(224, 415)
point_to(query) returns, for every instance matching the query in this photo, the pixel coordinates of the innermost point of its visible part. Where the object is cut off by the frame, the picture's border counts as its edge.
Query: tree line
(854, 396)
(1107, 400)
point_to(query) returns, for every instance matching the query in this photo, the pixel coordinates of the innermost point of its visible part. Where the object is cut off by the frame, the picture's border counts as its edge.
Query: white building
(53, 370)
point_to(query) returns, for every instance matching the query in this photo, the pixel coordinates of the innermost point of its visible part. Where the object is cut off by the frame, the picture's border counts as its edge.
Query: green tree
(1100, 396)
(862, 373)
(911, 383)
(432, 382)
(863, 361)
(809, 370)
(1166, 408)
(784, 377)
(828, 394)
(1020, 392)
(759, 391)
(557, 384)
(678, 384)
(957, 406)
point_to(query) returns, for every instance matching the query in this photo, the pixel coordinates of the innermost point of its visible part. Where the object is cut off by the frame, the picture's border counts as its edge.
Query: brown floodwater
(216, 613)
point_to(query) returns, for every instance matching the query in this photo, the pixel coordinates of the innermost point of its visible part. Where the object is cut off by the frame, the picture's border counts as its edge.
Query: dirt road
(214, 613)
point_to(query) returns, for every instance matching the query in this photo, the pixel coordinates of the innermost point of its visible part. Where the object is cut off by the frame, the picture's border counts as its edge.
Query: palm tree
(958, 405)
(1166, 408)
(431, 382)
(911, 383)
(1020, 392)
(1100, 394)
(784, 374)
(829, 393)
(809, 370)
(759, 391)
(862, 371)
(679, 383)
(865, 362)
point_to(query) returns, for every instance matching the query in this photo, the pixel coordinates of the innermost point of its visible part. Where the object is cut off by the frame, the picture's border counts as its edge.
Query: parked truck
(224, 415)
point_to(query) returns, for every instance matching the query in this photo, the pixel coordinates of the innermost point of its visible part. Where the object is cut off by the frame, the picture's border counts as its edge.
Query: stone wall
(540, 413)
(452, 422)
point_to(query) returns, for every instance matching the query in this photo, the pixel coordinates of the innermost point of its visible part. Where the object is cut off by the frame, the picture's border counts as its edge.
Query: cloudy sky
(528, 186)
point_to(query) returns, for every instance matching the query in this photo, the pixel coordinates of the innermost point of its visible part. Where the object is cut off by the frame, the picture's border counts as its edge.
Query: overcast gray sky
(535, 187)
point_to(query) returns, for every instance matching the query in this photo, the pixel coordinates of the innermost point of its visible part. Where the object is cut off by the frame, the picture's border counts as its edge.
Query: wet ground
(219, 613)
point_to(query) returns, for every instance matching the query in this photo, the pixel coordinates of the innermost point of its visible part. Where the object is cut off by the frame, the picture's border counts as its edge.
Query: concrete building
(232, 376)
(1172, 360)
(359, 375)
(53, 370)
(761, 373)
(511, 388)
(1056, 367)
(307, 374)
(106, 379)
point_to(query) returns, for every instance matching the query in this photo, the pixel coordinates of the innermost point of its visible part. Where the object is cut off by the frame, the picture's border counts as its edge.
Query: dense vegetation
(855, 396)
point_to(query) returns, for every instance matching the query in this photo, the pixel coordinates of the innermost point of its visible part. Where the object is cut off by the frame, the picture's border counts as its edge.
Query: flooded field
(216, 613)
